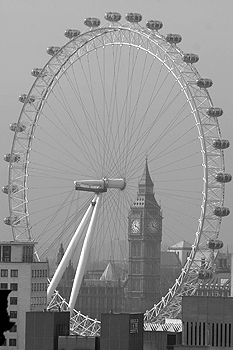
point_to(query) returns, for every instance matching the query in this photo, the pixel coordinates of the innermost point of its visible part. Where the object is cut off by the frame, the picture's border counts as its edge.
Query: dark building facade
(44, 328)
(207, 322)
(121, 331)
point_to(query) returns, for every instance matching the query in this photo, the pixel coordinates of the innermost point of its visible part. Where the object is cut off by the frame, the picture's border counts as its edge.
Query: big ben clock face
(153, 226)
(135, 226)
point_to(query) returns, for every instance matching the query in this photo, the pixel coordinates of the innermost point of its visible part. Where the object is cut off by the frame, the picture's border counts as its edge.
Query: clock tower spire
(144, 235)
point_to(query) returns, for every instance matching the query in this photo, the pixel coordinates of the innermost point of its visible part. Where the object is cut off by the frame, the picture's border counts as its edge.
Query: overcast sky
(28, 27)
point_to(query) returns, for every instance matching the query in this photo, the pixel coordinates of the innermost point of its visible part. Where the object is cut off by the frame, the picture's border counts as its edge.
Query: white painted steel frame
(199, 100)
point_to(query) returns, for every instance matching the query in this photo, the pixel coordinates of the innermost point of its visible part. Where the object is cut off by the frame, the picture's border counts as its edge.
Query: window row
(13, 286)
(38, 301)
(4, 273)
(5, 253)
(39, 273)
(36, 287)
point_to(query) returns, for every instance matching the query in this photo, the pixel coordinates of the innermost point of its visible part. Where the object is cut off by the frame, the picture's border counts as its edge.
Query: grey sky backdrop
(28, 27)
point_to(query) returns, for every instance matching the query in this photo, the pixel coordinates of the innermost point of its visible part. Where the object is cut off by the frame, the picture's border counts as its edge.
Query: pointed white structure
(109, 274)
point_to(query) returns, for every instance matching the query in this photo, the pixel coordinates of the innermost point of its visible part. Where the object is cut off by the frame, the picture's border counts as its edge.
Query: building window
(14, 329)
(14, 273)
(28, 253)
(6, 253)
(14, 286)
(135, 284)
(136, 267)
(4, 273)
(3, 286)
(136, 249)
(13, 300)
(12, 342)
(13, 314)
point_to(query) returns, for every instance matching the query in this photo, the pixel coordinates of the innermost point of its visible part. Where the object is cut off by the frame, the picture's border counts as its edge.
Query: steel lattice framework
(185, 74)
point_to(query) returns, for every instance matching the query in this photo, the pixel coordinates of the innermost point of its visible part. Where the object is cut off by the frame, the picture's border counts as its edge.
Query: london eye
(111, 97)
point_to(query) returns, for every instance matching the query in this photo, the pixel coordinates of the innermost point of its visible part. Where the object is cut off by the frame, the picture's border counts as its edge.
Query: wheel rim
(114, 140)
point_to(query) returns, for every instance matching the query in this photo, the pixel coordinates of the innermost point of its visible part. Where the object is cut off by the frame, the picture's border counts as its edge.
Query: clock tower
(144, 235)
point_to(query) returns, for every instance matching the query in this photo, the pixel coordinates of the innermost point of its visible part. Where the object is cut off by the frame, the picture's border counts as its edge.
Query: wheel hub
(100, 185)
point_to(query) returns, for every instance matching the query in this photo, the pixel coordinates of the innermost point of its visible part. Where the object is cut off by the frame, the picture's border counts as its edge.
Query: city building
(44, 328)
(170, 269)
(207, 323)
(144, 236)
(219, 283)
(121, 331)
(182, 249)
(102, 291)
(27, 281)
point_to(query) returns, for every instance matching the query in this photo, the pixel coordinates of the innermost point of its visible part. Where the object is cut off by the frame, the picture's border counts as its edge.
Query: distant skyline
(28, 27)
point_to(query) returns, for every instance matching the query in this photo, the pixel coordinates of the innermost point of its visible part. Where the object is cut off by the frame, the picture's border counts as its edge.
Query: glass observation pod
(190, 58)
(12, 220)
(173, 38)
(72, 33)
(223, 177)
(36, 72)
(112, 16)
(221, 211)
(214, 112)
(52, 50)
(14, 158)
(25, 98)
(214, 244)
(154, 25)
(17, 127)
(133, 17)
(92, 22)
(221, 143)
(204, 83)
(10, 189)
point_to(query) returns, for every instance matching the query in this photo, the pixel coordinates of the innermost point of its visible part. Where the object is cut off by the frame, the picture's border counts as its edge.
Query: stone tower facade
(144, 235)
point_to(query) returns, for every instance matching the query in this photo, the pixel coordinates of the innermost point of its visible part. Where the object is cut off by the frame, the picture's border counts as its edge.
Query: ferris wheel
(110, 98)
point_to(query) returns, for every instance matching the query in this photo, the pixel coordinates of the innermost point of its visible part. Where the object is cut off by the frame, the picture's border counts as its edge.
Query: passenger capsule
(133, 17)
(221, 211)
(10, 189)
(190, 58)
(204, 83)
(17, 127)
(214, 244)
(14, 158)
(173, 38)
(72, 33)
(52, 50)
(92, 22)
(25, 98)
(154, 25)
(205, 275)
(112, 16)
(38, 72)
(12, 220)
(223, 177)
(214, 112)
(220, 143)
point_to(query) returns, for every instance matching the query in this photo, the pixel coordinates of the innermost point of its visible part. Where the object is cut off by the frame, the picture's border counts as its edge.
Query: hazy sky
(28, 27)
